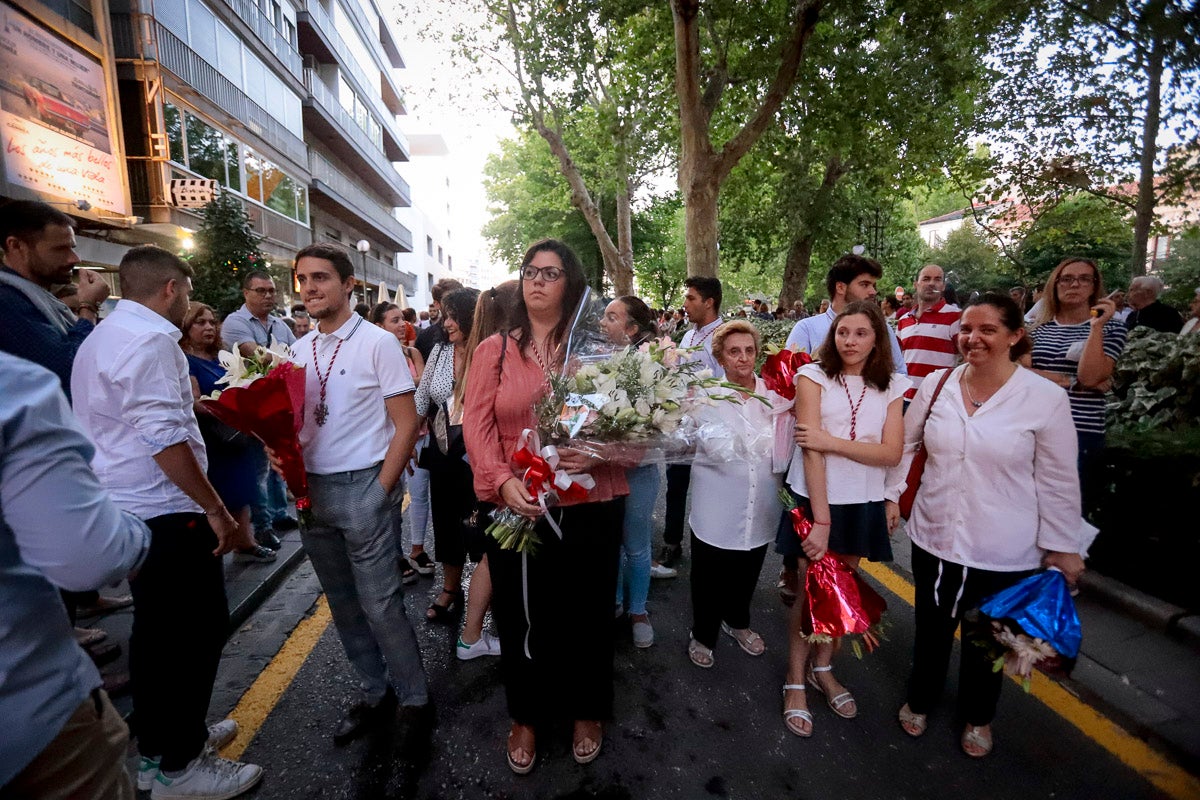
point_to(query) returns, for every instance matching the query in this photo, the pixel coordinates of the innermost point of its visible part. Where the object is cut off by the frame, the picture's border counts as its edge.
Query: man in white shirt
(851, 278)
(359, 428)
(702, 304)
(133, 397)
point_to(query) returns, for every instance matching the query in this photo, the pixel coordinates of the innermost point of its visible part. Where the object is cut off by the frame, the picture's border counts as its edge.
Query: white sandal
(790, 714)
(836, 704)
(746, 639)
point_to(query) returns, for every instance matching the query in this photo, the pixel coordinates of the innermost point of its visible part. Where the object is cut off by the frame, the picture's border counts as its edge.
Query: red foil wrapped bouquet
(836, 600)
(266, 400)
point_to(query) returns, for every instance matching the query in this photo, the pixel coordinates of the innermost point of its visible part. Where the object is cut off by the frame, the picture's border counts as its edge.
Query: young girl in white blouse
(849, 430)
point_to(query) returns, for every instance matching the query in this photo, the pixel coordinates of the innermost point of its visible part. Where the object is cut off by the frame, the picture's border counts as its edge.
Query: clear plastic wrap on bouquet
(644, 403)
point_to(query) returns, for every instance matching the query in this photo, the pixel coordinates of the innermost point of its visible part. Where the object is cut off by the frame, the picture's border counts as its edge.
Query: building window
(429, 245)
(439, 254)
(450, 263)
(174, 129)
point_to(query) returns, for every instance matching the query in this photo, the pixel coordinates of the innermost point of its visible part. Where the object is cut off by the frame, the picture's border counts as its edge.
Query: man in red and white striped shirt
(927, 332)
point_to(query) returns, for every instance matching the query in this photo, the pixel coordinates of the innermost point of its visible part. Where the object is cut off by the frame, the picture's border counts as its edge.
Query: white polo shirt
(368, 369)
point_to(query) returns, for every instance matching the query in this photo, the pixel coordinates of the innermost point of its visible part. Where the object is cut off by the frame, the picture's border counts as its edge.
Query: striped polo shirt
(1052, 343)
(928, 341)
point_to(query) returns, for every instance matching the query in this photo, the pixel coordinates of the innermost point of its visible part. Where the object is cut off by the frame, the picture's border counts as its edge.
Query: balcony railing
(187, 64)
(373, 210)
(322, 22)
(263, 28)
(348, 127)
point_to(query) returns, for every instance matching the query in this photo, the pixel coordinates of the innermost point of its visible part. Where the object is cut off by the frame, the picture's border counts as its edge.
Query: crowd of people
(100, 421)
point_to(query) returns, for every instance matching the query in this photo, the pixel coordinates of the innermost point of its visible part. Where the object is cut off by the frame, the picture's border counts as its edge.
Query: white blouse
(1001, 487)
(847, 481)
(735, 493)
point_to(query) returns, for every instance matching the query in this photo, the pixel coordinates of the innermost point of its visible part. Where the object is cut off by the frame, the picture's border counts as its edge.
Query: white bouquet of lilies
(640, 396)
(241, 371)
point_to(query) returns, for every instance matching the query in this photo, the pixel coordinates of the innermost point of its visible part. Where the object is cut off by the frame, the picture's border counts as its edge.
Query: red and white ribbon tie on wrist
(544, 479)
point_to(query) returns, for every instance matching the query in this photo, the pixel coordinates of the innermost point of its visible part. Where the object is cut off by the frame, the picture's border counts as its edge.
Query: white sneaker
(662, 571)
(219, 734)
(487, 645)
(147, 771)
(222, 733)
(207, 777)
(643, 633)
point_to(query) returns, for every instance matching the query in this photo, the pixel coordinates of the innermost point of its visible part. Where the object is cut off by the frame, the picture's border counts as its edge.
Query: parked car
(52, 107)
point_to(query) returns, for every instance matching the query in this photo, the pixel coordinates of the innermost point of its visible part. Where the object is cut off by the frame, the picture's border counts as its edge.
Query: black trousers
(567, 671)
(679, 478)
(937, 616)
(180, 623)
(451, 500)
(723, 584)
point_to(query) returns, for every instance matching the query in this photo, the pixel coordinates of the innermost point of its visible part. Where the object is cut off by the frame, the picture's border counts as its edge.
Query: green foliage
(1181, 269)
(1156, 383)
(971, 261)
(1079, 225)
(660, 254)
(226, 248)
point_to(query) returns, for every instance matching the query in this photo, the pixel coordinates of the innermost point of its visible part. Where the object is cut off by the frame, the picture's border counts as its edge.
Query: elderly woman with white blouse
(735, 498)
(999, 498)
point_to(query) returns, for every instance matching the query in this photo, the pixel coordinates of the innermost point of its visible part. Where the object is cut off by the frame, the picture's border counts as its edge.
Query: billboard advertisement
(54, 126)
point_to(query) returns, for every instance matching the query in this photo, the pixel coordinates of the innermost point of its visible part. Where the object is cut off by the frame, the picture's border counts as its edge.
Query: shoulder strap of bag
(932, 400)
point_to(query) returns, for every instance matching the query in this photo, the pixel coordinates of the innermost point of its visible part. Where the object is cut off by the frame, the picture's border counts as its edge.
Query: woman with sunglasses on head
(553, 606)
(1076, 343)
(999, 498)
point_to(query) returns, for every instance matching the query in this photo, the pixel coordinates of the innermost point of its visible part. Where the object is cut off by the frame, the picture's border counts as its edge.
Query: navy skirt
(857, 529)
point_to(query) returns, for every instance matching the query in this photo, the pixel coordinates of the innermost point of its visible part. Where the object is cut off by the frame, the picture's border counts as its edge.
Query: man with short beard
(927, 333)
(39, 253)
(133, 398)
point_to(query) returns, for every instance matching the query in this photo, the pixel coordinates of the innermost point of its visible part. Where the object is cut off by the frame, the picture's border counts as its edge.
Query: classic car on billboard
(51, 107)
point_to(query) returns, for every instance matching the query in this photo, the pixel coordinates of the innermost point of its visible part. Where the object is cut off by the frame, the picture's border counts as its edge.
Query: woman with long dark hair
(544, 599)
(849, 430)
(440, 400)
(627, 320)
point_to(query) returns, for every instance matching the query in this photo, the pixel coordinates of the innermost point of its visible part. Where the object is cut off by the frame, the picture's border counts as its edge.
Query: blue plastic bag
(1042, 606)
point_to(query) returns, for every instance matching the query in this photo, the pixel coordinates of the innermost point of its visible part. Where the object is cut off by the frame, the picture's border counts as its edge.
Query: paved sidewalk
(1130, 667)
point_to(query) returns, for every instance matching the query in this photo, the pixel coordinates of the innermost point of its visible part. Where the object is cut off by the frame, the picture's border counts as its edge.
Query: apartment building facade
(290, 105)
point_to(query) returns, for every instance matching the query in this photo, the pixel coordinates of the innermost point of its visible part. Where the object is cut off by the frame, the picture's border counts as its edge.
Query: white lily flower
(234, 366)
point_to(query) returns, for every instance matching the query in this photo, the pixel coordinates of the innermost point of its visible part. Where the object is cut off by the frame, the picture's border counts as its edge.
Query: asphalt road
(679, 731)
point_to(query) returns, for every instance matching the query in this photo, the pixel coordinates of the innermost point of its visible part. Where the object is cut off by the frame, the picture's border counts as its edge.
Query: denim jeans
(272, 502)
(419, 513)
(633, 574)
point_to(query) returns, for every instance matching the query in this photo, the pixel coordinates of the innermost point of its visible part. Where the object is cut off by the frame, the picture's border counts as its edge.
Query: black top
(1159, 316)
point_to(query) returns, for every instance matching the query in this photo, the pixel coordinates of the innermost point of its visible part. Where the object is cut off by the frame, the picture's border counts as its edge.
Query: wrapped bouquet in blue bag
(1034, 624)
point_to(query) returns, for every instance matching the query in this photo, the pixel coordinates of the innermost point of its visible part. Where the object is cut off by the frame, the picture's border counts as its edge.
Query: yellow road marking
(260, 699)
(257, 703)
(1131, 751)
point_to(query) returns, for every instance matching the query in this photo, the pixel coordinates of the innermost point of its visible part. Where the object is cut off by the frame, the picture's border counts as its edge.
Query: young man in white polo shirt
(359, 428)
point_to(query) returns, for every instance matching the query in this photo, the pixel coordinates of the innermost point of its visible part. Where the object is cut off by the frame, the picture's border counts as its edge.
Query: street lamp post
(363, 246)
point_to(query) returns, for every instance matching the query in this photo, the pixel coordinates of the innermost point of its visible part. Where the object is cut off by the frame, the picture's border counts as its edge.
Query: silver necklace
(971, 397)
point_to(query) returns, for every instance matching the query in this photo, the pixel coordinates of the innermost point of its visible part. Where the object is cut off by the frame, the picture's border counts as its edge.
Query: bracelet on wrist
(822, 523)
(218, 511)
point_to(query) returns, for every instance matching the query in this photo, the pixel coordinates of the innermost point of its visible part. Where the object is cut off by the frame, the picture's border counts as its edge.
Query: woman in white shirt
(735, 499)
(999, 498)
(849, 430)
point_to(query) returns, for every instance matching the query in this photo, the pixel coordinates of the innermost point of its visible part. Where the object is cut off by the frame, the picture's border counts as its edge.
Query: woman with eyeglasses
(554, 606)
(1076, 343)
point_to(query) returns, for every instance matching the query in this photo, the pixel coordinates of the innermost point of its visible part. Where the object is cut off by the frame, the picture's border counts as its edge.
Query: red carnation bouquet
(265, 399)
(837, 601)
